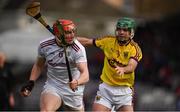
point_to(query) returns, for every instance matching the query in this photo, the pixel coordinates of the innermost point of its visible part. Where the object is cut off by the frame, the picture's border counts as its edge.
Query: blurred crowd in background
(157, 84)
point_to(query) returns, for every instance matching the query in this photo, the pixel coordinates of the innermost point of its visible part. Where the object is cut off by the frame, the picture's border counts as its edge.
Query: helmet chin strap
(60, 41)
(132, 33)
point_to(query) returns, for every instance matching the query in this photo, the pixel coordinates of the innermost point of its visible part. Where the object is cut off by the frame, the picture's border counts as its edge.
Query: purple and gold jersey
(117, 55)
(55, 59)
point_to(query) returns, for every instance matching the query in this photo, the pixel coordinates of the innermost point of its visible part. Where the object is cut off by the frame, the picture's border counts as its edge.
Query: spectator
(6, 85)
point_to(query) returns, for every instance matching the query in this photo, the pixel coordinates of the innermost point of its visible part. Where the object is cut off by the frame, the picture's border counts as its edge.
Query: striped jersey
(116, 54)
(55, 59)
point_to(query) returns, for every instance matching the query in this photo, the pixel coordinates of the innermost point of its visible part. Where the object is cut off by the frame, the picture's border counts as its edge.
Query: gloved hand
(27, 88)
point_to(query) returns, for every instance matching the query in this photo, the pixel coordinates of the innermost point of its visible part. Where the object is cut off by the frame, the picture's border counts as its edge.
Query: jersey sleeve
(136, 53)
(40, 51)
(102, 42)
(81, 56)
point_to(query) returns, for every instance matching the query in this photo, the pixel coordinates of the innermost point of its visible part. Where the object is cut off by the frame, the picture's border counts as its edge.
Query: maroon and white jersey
(55, 60)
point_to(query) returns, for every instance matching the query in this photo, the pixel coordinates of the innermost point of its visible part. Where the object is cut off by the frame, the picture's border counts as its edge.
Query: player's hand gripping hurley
(33, 10)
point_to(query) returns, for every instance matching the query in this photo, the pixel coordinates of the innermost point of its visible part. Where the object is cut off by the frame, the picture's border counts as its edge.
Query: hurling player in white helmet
(122, 55)
(58, 91)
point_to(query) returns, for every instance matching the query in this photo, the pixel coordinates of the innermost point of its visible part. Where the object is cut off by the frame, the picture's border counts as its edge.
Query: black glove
(27, 88)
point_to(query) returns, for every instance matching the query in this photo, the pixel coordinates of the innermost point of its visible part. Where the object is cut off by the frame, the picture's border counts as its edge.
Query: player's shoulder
(77, 45)
(76, 42)
(47, 41)
(133, 43)
(107, 38)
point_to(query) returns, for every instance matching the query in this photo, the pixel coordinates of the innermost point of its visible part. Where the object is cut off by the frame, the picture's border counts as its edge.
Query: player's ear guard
(27, 88)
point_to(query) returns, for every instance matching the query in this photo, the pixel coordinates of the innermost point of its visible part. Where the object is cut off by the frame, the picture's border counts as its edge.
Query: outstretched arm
(85, 41)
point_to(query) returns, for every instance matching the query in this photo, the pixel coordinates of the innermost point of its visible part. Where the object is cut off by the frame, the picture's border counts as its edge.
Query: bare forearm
(123, 70)
(84, 78)
(35, 72)
(84, 73)
(131, 66)
(128, 69)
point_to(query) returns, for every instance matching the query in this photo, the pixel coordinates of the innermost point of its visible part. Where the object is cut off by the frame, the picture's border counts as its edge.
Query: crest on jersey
(125, 54)
(98, 98)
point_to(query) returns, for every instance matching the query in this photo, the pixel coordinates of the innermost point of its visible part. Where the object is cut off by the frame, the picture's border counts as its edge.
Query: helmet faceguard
(126, 24)
(64, 31)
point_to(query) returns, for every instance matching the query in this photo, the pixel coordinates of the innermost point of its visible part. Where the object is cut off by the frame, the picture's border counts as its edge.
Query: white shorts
(74, 101)
(110, 96)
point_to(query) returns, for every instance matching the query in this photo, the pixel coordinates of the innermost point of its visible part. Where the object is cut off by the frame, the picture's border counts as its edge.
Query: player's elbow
(86, 78)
